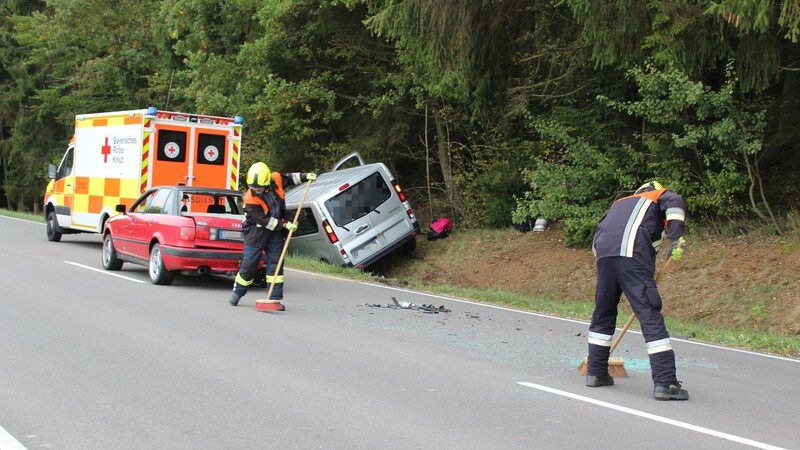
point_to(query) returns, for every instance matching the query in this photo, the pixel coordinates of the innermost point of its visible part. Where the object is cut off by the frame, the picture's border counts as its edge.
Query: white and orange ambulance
(114, 157)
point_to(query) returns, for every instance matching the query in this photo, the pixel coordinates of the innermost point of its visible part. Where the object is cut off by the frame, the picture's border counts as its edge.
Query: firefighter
(265, 227)
(625, 244)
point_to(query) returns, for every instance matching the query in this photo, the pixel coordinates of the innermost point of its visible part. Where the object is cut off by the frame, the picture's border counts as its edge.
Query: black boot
(671, 392)
(601, 380)
(234, 299)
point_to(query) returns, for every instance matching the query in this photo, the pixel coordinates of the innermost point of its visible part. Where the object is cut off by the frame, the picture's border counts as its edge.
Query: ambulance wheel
(53, 235)
(110, 260)
(158, 273)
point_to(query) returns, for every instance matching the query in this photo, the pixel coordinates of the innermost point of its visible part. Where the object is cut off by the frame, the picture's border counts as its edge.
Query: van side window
(358, 200)
(306, 223)
(65, 168)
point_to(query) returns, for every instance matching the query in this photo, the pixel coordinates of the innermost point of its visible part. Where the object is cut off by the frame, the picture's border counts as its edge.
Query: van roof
(328, 183)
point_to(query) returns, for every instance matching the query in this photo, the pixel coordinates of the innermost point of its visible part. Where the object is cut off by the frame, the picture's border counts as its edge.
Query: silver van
(352, 216)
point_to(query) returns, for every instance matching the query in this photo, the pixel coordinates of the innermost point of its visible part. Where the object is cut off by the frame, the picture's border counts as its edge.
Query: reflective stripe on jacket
(634, 226)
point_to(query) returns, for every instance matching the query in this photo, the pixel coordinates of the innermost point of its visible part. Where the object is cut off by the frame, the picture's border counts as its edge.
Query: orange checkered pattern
(92, 194)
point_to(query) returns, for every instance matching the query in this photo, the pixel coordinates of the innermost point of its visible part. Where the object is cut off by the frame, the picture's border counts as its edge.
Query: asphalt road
(104, 360)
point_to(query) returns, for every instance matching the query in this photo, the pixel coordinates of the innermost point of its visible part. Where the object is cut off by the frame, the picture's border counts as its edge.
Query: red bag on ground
(440, 228)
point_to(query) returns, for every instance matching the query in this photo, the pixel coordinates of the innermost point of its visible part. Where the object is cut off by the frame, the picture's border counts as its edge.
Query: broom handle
(624, 329)
(633, 316)
(286, 244)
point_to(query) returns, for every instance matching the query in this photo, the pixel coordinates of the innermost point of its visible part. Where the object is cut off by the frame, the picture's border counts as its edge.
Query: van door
(368, 216)
(210, 161)
(64, 187)
(170, 164)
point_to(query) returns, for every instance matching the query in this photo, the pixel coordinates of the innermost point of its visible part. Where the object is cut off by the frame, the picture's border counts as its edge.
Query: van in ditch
(352, 216)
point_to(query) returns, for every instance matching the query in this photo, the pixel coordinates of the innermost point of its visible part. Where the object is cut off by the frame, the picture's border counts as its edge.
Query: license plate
(230, 235)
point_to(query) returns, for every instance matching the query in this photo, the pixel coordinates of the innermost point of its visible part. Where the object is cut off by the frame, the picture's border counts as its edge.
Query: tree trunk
(789, 110)
(443, 150)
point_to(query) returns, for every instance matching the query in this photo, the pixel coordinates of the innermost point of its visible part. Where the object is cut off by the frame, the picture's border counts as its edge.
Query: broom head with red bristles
(268, 305)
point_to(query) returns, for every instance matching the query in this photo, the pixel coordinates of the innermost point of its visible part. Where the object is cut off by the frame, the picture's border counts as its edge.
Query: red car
(173, 229)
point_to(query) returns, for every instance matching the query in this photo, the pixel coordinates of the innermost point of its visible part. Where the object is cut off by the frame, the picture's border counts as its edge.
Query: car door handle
(362, 228)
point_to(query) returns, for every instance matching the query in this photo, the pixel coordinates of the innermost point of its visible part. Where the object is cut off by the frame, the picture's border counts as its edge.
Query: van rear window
(358, 200)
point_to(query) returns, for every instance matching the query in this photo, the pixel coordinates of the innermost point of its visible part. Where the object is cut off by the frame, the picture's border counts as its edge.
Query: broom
(274, 305)
(616, 366)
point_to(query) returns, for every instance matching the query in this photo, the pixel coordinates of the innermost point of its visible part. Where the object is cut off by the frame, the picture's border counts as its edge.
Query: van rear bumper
(389, 248)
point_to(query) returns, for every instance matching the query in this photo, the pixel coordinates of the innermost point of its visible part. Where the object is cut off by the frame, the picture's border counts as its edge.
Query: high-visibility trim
(109, 121)
(235, 166)
(145, 160)
(274, 279)
(676, 214)
(241, 281)
(634, 221)
(661, 345)
(272, 224)
(603, 340)
(296, 178)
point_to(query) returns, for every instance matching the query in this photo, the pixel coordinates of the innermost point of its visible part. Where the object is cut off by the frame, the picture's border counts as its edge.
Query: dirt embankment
(739, 282)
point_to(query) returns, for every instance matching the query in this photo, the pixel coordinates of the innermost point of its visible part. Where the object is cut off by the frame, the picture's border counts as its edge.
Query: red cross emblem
(172, 150)
(105, 150)
(211, 153)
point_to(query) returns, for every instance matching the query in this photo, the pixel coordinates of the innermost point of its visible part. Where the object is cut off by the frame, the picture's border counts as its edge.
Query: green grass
(756, 340)
(20, 215)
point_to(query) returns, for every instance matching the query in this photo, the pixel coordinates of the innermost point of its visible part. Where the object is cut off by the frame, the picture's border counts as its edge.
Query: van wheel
(53, 235)
(158, 273)
(110, 260)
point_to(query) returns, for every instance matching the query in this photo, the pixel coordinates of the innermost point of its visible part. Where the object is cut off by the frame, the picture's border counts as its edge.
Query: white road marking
(7, 441)
(105, 272)
(661, 419)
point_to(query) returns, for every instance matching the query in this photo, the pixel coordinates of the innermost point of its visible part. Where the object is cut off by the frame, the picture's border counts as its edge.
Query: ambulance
(114, 157)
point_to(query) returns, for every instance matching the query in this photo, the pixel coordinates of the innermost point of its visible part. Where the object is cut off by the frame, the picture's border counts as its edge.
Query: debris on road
(428, 309)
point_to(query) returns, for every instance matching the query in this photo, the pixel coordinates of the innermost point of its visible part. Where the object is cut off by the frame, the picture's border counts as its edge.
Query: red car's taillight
(186, 234)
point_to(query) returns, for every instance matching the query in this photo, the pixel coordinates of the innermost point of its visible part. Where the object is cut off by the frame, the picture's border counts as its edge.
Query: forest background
(490, 112)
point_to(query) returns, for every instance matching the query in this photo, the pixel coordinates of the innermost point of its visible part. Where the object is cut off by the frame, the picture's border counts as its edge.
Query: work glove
(311, 176)
(676, 248)
(290, 226)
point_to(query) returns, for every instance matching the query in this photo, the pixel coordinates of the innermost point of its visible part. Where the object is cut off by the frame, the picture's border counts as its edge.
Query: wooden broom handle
(289, 236)
(633, 316)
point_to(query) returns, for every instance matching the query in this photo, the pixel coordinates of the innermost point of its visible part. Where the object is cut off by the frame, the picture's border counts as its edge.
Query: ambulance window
(65, 169)
(358, 200)
(171, 146)
(211, 149)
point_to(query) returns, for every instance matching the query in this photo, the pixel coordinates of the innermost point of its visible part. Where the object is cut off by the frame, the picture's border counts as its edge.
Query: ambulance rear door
(190, 151)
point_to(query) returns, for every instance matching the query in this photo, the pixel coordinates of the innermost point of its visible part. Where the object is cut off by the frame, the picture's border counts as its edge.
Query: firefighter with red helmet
(265, 227)
(625, 243)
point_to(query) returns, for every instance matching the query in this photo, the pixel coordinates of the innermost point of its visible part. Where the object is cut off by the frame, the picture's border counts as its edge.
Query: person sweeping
(265, 228)
(625, 244)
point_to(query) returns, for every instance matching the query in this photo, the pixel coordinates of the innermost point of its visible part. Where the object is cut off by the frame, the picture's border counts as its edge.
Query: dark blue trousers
(617, 275)
(251, 260)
